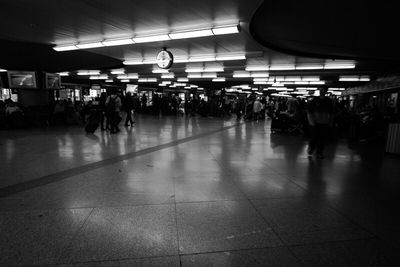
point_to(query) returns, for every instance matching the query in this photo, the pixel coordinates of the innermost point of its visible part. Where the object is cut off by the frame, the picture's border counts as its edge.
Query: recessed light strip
(195, 33)
(199, 58)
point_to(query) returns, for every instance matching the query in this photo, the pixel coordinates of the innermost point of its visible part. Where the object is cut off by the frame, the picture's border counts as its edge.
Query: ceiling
(272, 33)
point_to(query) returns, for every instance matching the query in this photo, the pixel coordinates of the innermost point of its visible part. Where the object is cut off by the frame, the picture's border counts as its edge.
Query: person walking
(113, 106)
(128, 107)
(320, 118)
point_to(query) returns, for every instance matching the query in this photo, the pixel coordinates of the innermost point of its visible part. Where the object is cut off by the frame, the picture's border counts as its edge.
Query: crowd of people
(287, 114)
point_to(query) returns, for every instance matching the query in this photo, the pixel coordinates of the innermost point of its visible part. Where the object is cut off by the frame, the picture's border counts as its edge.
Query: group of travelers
(315, 117)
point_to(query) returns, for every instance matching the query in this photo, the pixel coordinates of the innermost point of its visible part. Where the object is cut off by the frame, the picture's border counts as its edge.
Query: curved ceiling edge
(277, 27)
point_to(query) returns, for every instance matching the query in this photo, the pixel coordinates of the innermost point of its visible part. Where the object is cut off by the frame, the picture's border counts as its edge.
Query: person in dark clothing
(128, 107)
(113, 106)
(143, 99)
(104, 121)
(320, 118)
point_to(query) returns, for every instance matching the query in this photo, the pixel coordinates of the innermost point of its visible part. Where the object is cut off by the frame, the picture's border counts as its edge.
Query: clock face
(164, 59)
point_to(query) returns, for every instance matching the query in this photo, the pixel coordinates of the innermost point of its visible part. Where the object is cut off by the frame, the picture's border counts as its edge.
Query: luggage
(91, 127)
(93, 122)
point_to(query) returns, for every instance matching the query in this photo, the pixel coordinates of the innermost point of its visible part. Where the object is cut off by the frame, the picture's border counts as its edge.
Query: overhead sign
(165, 59)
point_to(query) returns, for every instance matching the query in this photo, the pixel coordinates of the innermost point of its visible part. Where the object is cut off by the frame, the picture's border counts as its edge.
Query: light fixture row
(207, 58)
(195, 33)
(354, 78)
(326, 66)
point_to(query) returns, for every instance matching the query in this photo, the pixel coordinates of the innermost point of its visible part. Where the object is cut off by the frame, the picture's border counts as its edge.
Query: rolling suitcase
(93, 123)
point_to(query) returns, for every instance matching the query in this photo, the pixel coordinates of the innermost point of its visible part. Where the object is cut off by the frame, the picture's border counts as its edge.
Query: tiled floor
(194, 192)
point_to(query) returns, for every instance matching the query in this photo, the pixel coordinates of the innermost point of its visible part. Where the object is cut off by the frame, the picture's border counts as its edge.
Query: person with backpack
(113, 108)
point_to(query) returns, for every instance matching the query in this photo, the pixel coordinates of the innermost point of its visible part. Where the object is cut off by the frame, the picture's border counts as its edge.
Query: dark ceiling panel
(354, 29)
(32, 56)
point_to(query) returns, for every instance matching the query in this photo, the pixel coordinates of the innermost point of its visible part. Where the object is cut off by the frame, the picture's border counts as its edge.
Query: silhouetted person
(128, 106)
(320, 118)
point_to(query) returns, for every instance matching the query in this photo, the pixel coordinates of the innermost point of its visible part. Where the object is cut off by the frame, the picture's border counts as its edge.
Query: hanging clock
(165, 59)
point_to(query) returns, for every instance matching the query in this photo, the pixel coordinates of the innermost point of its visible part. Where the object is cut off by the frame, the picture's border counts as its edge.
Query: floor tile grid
(105, 263)
(268, 223)
(343, 214)
(216, 251)
(176, 224)
(75, 235)
(331, 206)
(289, 247)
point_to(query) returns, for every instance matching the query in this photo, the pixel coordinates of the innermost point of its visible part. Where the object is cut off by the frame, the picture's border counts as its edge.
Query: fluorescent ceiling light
(190, 34)
(149, 61)
(336, 89)
(183, 79)
(117, 42)
(65, 48)
(318, 82)
(218, 80)
(89, 45)
(278, 84)
(257, 68)
(133, 62)
(229, 29)
(310, 79)
(194, 70)
(226, 30)
(166, 82)
(349, 80)
(260, 82)
(148, 80)
(241, 74)
(89, 72)
(129, 76)
(307, 88)
(181, 60)
(309, 67)
(260, 79)
(125, 81)
(339, 66)
(281, 67)
(209, 75)
(293, 78)
(202, 59)
(116, 72)
(149, 39)
(362, 78)
(160, 71)
(259, 74)
(194, 75)
(167, 76)
(180, 84)
(301, 82)
(193, 86)
(162, 84)
(232, 57)
(109, 81)
(99, 77)
(187, 87)
(213, 69)
(133, 76)
(65, 73)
